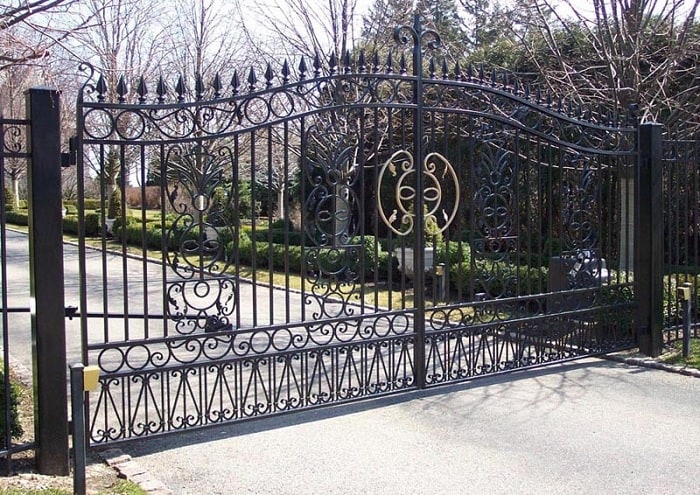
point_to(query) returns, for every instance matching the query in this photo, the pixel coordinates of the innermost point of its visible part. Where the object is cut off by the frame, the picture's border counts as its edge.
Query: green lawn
(675, 355)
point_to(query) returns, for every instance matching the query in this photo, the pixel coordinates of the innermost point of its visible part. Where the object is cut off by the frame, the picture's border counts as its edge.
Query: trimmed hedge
(89, 203)
(17, 217)
(15, 427)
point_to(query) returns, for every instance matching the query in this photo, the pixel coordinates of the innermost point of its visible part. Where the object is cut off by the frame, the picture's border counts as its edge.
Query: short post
(82, 380)
(77, 395)
(442, 280)
(684, 294)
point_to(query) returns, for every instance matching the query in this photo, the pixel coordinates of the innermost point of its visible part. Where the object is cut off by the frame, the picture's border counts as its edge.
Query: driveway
(590, 426)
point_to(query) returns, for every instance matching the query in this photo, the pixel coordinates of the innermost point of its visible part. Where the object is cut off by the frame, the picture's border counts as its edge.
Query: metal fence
(681, 182)
(356, 229)
(13, 154)
(32, 303)
(517, 212)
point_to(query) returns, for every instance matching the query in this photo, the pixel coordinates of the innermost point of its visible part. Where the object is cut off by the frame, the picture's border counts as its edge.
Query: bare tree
(639, 52)
(202, 38)
(14, 81)
(298, 27)
(30, 29)
(123, 45)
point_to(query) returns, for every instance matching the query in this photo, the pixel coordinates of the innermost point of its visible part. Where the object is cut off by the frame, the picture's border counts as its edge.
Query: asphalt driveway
(590, 426)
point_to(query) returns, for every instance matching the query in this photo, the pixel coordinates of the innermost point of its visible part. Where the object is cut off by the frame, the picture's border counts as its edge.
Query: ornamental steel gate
(355, 229)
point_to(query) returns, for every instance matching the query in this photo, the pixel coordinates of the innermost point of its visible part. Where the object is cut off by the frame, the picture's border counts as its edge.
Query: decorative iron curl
(87, 87)
(13, 141)
(403, 35)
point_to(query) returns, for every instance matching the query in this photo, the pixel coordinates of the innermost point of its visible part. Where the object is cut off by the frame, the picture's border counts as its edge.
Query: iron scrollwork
(204, 296)
(333, 258)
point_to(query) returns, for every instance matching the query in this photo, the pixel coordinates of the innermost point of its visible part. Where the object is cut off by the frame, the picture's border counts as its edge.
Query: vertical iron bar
(46, 281)
(144, 240)
(164, 200)
(287, 217)
(649, 231)
(418, 226)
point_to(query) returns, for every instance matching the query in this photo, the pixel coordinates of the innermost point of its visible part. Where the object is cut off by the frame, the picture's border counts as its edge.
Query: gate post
(648, 246)
(46, 282)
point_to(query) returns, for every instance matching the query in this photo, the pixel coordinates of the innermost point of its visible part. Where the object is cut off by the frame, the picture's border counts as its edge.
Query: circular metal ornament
(399, 170)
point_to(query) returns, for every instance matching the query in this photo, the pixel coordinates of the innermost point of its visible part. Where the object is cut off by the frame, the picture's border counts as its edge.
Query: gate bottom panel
(466, 352)
(161, 400)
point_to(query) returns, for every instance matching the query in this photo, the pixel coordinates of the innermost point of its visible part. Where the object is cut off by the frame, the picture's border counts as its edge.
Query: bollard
(442, 280)
(82, 379)
(684, 294)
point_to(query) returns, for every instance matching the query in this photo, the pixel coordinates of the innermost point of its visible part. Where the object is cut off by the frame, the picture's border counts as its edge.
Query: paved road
(585, 427)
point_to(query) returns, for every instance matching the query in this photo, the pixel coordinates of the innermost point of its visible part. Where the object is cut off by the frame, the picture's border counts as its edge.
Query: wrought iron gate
(211, 310)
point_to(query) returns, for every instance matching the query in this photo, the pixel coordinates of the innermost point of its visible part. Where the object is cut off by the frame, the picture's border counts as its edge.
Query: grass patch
(675, 354)
(31, 491)
(122, 487)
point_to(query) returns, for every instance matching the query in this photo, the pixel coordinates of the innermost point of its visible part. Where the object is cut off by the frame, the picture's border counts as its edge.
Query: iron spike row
(361, 62)
(317, 66)
(142, 90)
(333, 64)
(302, 69)
(180, 89)
(122, 89)
(101, 89)
(269, 75)
(161, 89)
(285, 73)
(199, 87)
(252, 80)
(217, 86)
(235, 83)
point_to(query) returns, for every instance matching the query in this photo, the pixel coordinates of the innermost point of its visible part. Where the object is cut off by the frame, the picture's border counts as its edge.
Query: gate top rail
(206, 111)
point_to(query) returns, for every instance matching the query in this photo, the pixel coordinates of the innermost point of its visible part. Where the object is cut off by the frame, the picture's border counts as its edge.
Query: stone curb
(647, 362)
(131, 470)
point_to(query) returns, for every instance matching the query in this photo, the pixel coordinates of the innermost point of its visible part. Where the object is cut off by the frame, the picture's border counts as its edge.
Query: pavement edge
(131, 470)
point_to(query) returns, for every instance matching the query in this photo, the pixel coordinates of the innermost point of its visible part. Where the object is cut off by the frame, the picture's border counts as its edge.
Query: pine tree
(442, 16)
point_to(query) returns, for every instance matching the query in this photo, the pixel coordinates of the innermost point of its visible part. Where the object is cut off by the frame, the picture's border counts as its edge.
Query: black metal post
(77, 394)
(684, 295)
(46, 282)
(648, 246)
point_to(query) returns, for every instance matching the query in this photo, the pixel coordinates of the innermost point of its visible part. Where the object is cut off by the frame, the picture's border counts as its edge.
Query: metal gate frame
(187, 359)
